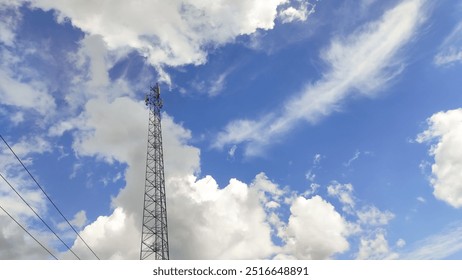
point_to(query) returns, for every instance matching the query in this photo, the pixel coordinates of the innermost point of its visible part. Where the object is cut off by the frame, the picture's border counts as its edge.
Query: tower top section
(152, 99)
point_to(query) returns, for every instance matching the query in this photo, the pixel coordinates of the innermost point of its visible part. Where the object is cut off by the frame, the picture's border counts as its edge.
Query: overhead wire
(38, 216)
(48, 197)
(30, 234)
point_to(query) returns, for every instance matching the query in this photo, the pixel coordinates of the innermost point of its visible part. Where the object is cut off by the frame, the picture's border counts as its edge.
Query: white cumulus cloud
(301, 13)
(371, 215)
(315, 230)
(444, 132)
(14, 241)
(206, 221)
(375, 247)
(344, 193)
(167, 32)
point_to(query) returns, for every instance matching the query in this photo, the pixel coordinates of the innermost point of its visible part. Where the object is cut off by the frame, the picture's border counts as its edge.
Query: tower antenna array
(154, 234)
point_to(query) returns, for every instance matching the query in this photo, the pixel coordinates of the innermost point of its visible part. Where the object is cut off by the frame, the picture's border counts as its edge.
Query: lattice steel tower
(154, 236)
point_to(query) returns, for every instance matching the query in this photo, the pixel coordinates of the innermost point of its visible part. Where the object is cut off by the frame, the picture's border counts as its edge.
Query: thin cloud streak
(439, 246)
(349, 74)
(451, 49)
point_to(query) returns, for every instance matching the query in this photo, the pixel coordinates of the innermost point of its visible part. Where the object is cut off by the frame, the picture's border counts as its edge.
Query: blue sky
(292, 129)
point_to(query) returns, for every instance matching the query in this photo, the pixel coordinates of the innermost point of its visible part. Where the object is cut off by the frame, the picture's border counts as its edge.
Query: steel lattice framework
(154, 239)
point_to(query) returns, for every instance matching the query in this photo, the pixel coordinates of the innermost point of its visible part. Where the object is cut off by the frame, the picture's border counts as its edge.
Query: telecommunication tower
(154, 234)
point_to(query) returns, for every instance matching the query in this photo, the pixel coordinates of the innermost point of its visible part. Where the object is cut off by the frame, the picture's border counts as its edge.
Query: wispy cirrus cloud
(34, 93)
(438, 246)
(9, 20)
(360, 64)
(450, 51)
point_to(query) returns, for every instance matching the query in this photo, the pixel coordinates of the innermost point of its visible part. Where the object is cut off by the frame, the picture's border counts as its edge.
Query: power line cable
(30, 234)
(49, 199)
(36, 214)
